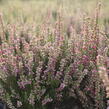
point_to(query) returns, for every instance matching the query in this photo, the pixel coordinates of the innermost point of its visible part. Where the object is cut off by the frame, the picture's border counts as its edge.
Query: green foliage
(46, 69)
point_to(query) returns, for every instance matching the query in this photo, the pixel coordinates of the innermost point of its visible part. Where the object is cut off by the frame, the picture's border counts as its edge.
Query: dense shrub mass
(53, 67)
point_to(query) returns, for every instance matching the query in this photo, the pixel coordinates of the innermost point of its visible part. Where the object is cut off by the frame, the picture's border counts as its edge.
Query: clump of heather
(53, 70)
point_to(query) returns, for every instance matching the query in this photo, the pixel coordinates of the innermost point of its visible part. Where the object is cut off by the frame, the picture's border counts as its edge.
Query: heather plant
(58, 69)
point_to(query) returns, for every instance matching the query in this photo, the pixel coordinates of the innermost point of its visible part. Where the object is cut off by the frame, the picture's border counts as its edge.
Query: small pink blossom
(19, 103)
(47, 100)
(62, 86)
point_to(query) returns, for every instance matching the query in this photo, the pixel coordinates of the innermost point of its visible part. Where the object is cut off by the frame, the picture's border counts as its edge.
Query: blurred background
(36, 10)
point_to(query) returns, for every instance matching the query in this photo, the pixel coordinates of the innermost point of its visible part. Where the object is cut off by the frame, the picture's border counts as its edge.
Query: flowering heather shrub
(52, 70)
